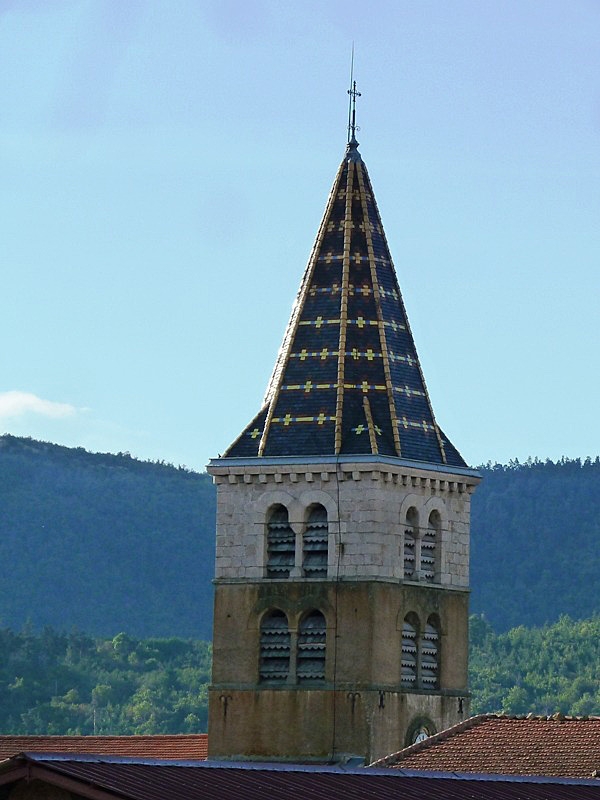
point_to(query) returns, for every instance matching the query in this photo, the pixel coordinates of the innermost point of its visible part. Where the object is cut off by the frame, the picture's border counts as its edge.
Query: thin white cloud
(16, 404)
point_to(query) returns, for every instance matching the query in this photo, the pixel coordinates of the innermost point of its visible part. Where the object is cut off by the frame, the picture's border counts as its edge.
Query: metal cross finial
(352, 104)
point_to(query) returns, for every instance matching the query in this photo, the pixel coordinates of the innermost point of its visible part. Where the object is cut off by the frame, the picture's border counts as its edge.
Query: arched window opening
(312, 635)
(281, 544)
(409, 652)
(430, 545)
(274, 648)
(430, 655)
(315, 543)
(410, 533)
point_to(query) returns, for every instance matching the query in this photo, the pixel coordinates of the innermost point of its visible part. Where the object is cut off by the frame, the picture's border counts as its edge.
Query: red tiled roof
(557, 746)
(95, 777)
(185, 747)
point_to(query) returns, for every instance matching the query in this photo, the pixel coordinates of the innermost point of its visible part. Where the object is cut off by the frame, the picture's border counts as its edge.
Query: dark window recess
(429, 657)
(428, 545)
(311, 648)
(409, 553)
(315, 544)
(281, 544)
(274, 648)
(409, 655)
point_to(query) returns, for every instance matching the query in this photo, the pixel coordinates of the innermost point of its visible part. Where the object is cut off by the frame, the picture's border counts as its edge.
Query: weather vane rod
(352, 102)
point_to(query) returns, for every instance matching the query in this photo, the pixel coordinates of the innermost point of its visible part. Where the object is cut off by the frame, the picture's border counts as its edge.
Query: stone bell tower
(342, 568)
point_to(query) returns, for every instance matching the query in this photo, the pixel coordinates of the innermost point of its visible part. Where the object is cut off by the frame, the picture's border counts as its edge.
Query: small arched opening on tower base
(274, 664)
(312, 642)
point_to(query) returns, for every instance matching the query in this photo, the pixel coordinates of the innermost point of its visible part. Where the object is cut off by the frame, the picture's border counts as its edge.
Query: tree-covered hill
(106, 543)
(54, 683)
(535, 535)
(536, 670)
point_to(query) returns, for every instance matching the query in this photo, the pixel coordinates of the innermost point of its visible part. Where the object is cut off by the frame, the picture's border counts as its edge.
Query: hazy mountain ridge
(106, 543)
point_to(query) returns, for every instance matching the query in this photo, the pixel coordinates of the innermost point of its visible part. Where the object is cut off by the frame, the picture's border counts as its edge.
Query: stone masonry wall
(367, 506)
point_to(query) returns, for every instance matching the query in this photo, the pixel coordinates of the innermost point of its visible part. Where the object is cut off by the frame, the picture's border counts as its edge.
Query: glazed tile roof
(101, 779)
(551, 746)
(190, 746)
(347, 378)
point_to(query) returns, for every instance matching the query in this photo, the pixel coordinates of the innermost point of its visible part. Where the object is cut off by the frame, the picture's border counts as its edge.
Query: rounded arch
(434, 518)
(312, 497)
(268, 611)
(419, 729)
(410, 501)
(275, 497)
(311, 601)
(274, 657)
(277, 511)
(436, 504)
(312, 647)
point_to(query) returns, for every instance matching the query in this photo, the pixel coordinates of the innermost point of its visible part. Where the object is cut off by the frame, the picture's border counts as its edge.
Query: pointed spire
(347, 380)
(352, 147)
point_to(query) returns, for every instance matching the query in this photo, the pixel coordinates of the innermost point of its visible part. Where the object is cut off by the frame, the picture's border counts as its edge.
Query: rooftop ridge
(434, 739)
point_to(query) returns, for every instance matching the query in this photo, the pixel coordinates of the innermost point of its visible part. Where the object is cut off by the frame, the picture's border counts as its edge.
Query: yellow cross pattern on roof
(319, 321)
(395, 326)
(408, 359)
(409, 423)
(320, 419)
(408, 391)
(359, 429)
(314, 290)
(322, 354)
(365, 386)
(307, 387)
(355, 353)
(255, 433)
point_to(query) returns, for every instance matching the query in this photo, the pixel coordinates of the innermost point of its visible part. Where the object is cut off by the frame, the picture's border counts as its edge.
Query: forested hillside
(106, 543)
(535, 535)
(52, 683)
(536, 670)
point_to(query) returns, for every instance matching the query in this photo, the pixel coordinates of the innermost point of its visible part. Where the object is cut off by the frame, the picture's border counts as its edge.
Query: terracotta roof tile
(556, 746)
(183, 747)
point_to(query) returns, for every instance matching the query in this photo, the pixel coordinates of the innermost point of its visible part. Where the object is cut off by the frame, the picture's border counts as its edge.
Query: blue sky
(164, 167)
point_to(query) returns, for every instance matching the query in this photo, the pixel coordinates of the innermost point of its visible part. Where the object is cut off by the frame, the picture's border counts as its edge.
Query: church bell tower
(342, 566)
